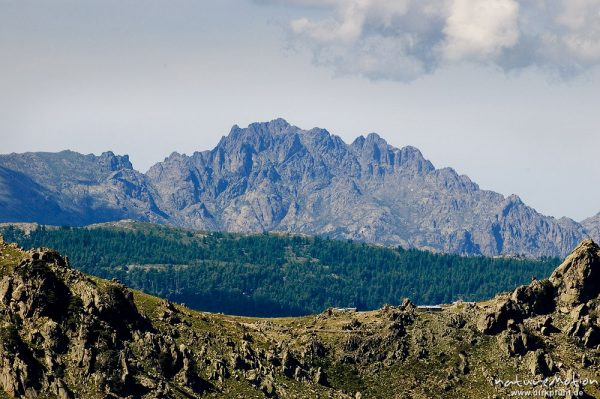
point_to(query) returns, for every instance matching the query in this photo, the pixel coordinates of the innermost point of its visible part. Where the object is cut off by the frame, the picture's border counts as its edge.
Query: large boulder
(497, 319)
(536, 298)
(577, 279)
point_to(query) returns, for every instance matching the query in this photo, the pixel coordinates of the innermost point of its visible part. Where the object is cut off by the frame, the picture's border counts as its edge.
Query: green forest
(276, 274)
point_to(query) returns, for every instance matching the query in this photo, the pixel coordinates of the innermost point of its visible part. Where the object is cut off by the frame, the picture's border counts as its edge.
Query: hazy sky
(505, 91)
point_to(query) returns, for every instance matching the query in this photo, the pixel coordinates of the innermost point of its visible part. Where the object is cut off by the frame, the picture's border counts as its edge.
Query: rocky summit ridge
(273, 176)
(68, 335)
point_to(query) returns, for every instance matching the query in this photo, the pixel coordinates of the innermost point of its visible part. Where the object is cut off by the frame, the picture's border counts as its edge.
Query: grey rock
(578, 278)
(515, 341)
(536, 298)
(585, 361)
(463, 364)
(498, 319)
(540, 363)
(319, 377)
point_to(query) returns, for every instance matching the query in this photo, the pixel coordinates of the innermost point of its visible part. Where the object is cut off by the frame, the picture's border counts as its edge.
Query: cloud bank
(405, 39)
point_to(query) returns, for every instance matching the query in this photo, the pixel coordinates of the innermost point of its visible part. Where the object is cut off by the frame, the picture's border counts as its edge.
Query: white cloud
(405, 39)
(480, 29)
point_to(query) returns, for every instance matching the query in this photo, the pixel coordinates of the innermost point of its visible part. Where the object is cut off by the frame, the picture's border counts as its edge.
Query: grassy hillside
(275, 274)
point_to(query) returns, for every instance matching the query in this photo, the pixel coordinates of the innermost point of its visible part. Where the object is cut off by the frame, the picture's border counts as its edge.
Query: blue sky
(506, 93)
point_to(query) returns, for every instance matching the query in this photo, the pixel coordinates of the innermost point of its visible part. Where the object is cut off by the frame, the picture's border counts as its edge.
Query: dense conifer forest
(276, 274)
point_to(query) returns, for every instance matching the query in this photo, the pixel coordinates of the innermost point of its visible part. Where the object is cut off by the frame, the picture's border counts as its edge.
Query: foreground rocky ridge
(65, 334)
(274, 176)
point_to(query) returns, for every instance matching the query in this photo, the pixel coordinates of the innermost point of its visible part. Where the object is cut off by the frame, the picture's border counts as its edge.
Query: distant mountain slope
(592, 226)
(274, 176)
(21, 199)
(74, 189)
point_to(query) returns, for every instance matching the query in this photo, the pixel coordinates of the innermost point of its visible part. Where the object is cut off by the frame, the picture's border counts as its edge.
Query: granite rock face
(274, 176)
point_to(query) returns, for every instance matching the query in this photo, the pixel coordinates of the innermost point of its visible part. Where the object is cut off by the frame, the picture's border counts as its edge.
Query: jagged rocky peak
(510, 203)
(173, 164)
(513, 200)
(577, 279)
(276, 126)
(374, 149)
(263, 136)
(114, 162)
(372, 138)
(259, 135)
(236, 152)
(176, 156)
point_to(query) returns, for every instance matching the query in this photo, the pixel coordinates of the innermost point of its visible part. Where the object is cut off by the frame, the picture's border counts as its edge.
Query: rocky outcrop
(540, 363)
(516, 340)
(60, 325)
(274, 176)
(564, 307)
(574, 287)
(499, 318)
(573, 292)
(536, 298)
(578, 278)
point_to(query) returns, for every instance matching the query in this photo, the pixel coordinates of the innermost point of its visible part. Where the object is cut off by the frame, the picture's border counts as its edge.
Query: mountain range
(277, 177)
